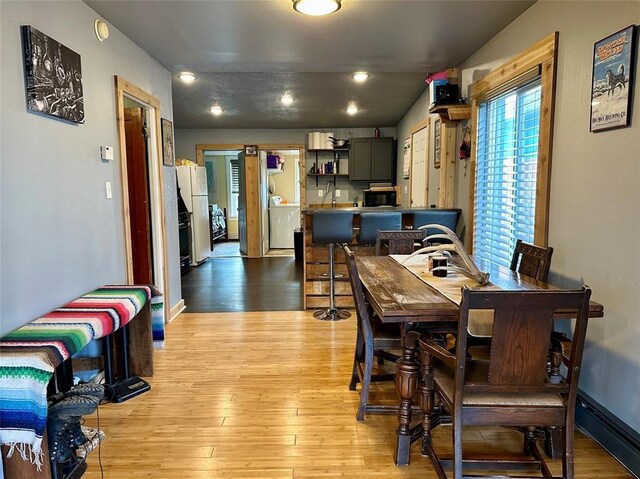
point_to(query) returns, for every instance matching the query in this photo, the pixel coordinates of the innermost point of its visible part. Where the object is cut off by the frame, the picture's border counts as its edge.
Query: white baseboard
(176, 310)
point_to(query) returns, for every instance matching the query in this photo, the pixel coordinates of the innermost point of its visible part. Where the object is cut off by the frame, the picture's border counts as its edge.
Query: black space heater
(126, 387)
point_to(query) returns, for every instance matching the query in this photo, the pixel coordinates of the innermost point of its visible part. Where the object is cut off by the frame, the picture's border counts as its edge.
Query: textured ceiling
(247, 53)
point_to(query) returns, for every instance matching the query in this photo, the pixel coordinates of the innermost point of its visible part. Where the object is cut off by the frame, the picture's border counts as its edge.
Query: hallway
(238, 284)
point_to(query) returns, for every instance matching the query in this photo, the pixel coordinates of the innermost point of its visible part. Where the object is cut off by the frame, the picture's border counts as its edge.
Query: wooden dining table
(397, 295)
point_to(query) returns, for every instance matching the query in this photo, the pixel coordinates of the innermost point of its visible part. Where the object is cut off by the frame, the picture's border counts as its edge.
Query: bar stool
(329, 228)
(370, 223)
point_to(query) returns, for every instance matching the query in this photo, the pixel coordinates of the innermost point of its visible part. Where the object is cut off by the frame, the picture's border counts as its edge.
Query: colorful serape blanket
(30, 354)
(157, 321)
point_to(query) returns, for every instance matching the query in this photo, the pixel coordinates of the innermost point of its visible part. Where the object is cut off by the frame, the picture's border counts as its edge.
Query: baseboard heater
(610, 432)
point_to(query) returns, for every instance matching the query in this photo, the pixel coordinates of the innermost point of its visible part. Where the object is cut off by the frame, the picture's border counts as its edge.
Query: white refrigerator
(193, 188)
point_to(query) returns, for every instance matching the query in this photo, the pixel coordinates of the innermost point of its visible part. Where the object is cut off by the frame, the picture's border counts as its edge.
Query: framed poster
(612, 80)
(436, 143)
(167, 142)
(53, 76)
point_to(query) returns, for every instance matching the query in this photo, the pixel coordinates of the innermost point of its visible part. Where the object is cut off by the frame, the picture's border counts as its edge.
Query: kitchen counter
(405, 210)
(316, 257)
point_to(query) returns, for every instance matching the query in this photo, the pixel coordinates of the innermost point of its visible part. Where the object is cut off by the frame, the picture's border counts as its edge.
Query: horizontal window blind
(506, 170)
(235, 177)
(234, 187)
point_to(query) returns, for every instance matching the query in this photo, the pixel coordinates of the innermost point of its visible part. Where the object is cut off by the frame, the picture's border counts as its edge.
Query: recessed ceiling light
(352, 109)
(286, 99)
(187, 77)
(316, 8)
(216, 110)
(360, 76)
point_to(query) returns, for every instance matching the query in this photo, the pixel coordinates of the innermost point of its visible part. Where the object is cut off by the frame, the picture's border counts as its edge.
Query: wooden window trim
(544, 55)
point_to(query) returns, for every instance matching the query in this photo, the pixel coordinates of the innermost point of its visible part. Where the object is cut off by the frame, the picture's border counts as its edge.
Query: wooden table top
(398, 296)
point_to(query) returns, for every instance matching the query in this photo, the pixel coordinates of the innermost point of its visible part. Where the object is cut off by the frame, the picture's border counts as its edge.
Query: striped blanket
(29, 355)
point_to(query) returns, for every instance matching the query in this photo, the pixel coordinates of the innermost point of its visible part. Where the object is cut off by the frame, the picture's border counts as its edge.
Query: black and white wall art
(53, 76)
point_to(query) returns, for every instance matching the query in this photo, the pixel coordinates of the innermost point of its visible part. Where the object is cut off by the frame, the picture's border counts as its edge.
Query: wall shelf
(454, 112)
(337, 153)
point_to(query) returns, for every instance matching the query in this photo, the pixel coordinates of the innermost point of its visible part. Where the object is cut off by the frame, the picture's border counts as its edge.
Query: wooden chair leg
(366, 381)
(457, 447)
(567, 456)
(357, 356)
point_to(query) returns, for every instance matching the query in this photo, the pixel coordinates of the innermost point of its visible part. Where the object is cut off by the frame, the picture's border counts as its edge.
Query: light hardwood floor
(264, 395)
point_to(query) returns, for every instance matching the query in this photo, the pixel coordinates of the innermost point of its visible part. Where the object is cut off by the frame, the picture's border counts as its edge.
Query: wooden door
(419, 163)
(360, 160)
(382, 159)
(138, 187)
(242, 205)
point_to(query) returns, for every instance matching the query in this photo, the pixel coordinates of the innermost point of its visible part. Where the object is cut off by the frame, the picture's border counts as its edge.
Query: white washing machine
(283, 219)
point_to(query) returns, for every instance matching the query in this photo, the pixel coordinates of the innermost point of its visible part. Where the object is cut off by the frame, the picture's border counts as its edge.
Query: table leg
(407, 370)
(426, 398)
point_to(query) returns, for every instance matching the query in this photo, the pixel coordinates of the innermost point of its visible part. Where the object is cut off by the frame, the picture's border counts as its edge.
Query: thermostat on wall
(106, 153)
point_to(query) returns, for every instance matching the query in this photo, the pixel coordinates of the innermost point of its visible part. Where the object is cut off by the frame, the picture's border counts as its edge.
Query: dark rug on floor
(242, 284)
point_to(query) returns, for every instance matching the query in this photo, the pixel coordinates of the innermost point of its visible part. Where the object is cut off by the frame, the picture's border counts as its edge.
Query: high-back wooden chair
(373, 339)
(512, 388)
(399, 242)
(531, 260)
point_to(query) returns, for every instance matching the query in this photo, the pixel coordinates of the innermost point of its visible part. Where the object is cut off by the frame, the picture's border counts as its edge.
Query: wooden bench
(31, 355)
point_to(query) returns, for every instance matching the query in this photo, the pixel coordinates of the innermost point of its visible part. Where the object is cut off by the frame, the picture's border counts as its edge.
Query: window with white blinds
(234, 188)
(506, 170)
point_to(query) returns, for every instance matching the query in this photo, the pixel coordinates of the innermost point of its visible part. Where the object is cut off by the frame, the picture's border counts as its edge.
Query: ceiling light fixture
(187, 77)
(286, 99)
(316, 8)
(352, 109)
(216, 110)
(360, 76)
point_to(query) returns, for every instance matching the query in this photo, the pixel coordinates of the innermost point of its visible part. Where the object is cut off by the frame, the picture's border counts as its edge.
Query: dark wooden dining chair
(398, 242)
(512, 387)
(531, 260)
(374, 339)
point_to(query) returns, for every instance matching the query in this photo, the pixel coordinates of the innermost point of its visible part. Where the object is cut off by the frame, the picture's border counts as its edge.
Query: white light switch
(405, 189)
(320, 194)
(337, 193)
(107, 188)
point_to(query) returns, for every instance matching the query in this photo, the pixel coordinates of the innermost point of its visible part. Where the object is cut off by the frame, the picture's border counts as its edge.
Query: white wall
(187, 139)
(60, 236)
(594, 222)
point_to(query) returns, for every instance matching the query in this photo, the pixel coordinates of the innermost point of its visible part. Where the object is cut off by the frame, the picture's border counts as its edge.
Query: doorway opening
(145, 251)
(136, 138)
(280, 187)
(223, 192)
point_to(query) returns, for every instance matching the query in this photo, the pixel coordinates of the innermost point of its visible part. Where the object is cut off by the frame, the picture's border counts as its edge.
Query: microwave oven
(380, 198)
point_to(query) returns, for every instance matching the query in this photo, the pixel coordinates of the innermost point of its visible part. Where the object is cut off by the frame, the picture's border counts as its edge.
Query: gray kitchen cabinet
(382, 159)
(371, 159)
(360, 159)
